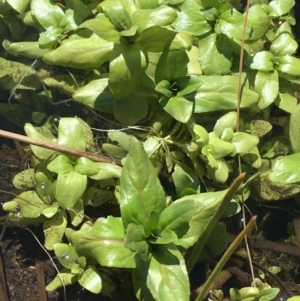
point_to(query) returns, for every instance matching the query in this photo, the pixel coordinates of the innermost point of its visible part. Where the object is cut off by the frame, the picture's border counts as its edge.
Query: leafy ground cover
(149, 122)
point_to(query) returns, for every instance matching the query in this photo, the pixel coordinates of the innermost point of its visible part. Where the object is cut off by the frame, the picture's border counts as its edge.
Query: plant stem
(213, 221)
(224, 259)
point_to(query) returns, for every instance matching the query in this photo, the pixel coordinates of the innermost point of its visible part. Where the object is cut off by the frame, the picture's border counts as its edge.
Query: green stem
(224, 259)
(213, 221)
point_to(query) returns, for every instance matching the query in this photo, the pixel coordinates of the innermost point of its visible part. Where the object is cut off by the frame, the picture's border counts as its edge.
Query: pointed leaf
(104, 242)
(66, 254)
(294, 129)
(141, 191)
(84, 54)
(64, 278)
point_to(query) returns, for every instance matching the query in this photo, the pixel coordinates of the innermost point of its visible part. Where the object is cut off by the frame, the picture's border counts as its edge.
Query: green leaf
(70, 134)
(69, 188)
(163, 238)
(262, 61)
(27, 49)
(77, 213)
(121, 138)
(294, 129)
(96, 197)
(61, 164)
(91, 280)
(286, 169)
(106, 171)
(141, 191)
(288, 64)
(244, 142)
(41, 153)
(27, 205)
(86, 166)
(226, 121)
(84, 54)
(24, 179)
(266, 84)
(44, 186)
(102, 27)
(172, 64)
(218, 172)
(178, 107)
(219, 93)
(64, 278)
(192, 21)
(279, 8)
(54, 229)
(155, 38)
(127, 66)
(18, 5)
(96, 95)
(184, 178)
(48, 14)
(284, 42)
(135, 240)
(268, 294)
(167, 275)
(221, 147)
(66, 254)
(215, 56)
(104, 242)
(161, 16)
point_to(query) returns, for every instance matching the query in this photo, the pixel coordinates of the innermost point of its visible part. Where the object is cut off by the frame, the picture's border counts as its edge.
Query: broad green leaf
(102, 27)
(219, 93)
(286, 169)
(294, 129)
(70, 134)
(219, 172)
(24, 179)
(260, 128)
(286, 99)
(64, 278)
(96, 197)
(262, 61)
(54, 229)
(196, 219)
(104, 242)
(155, 38)
(127, 66)
(244, 142)
(194, 67)
(253, 158)
(164, 87)
(279, 8)
(284, 42)
(130, 6)
(184, 178)
(51, 210)
(135, 240)
(50, 38)
(84, 54)
(161, 16)
(288, 64)
(215, 56)
(106, 171)
(66, 255)
(64, 83)
(91, 280)
(192, 21)
(114, 151)
(41, 153)
(266, 84)
(86, 166)
(141, 191)
(167, 275)
(44, 186)
(18, 5)
(14, 74)
(48, 14)
(258, 21)
(27, 205)
(77, 213)
(132, 108)
(172, 64)
(264, 189)
(61, 164)
(121, 138)
(69, 188)
(221, 147)
(178, 107)
(96, 95)
(163, 238)
(226, 121)
(27, 49)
